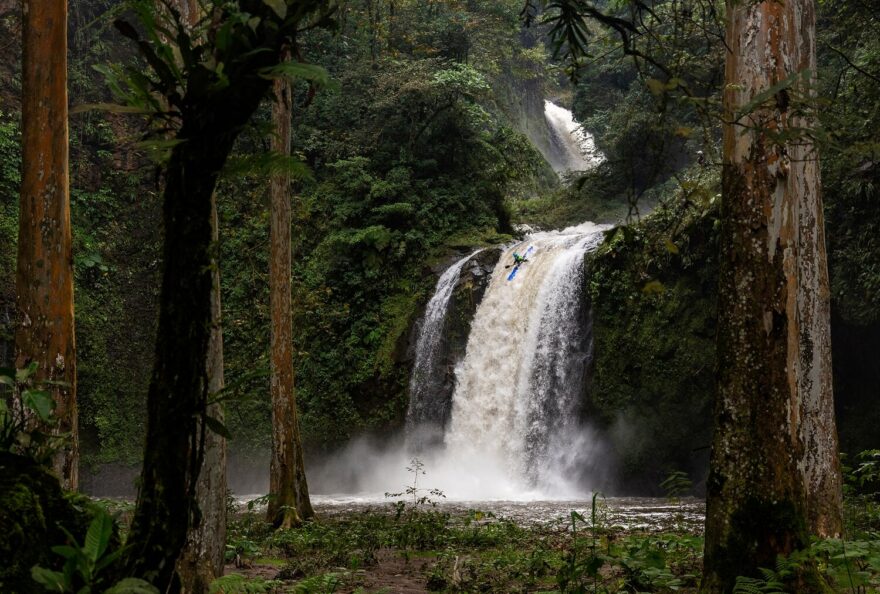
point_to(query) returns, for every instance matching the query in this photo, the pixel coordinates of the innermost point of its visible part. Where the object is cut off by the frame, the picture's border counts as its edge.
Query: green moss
(33, 518)
(653, 308)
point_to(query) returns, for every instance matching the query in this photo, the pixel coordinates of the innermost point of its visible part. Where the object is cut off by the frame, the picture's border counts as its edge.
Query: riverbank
(357, 546)
(616, 545)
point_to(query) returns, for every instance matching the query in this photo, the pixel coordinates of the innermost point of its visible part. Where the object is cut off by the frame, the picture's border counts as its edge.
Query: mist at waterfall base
(514, 431)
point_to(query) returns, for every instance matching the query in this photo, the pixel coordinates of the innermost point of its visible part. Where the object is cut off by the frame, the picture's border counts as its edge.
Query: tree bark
(211, 118)
(774, 473)
(44, 278)
(202, 559)
(178, 394)
(289, 504)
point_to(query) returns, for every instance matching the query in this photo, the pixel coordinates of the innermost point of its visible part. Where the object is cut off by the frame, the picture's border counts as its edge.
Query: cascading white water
(572, 148)
(514, 407)
(424, 409)
(514, 432)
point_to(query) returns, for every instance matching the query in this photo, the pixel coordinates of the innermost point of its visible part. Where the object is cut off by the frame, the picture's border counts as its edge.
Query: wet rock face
(466, 296)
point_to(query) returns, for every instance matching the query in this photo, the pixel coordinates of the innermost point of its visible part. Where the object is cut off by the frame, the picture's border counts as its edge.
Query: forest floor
(419, 548)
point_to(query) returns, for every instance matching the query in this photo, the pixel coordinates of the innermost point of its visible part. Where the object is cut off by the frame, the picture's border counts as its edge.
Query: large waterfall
(515, 405)
(514, 430)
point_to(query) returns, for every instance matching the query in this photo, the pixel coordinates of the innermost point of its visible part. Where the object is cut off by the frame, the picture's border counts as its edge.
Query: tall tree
(44, 278)
(210, 88)
(774, 470)
(203, 556)
(290, 503)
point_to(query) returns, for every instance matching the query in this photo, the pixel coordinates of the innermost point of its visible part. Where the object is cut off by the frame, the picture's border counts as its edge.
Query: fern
(765, 585)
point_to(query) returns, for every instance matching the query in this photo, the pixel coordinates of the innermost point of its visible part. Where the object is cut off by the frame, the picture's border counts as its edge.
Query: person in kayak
(517, 259)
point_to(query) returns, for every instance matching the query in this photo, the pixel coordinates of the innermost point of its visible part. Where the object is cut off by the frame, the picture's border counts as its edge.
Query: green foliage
(10, 178)
(26, 415)
(321, 584)
(657, 304)
(234, 583)
(85, 566)
(676, 484)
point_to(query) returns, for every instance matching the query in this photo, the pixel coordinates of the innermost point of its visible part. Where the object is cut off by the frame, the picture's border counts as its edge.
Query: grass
(423, 547)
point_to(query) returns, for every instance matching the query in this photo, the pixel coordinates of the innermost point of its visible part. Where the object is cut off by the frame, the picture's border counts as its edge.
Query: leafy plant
(25, 414)
(420, 495)
(84, 565)
(420, 529)
(327, 583)
(579, 570)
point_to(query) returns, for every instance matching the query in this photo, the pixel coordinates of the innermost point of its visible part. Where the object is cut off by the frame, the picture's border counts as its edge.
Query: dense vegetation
(421, 145)
(392, 149)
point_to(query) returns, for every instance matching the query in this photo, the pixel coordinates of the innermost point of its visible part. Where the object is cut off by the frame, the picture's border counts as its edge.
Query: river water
(650, 514)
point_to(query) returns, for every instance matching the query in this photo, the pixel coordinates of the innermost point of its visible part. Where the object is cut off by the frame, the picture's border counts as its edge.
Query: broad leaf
(51, 580)
(98, 536)
(298, 71)
(279, 7)
(40, 402)
(217, 427)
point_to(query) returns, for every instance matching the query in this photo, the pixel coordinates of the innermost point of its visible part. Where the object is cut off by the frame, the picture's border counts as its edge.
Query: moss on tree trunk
(774, 472)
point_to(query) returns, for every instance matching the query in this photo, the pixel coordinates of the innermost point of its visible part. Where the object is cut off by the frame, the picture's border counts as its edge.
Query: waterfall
(515, 404)
(571, 147)
(427, 413)
(513, 431)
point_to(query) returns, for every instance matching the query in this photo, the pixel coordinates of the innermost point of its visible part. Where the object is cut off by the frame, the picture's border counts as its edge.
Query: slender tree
(209, 88)
(774, 471)
(44, 279)
(290, 503)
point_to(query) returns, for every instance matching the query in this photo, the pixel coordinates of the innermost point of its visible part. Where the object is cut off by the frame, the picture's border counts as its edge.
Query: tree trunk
(44, 279)
(774, 470)
(202, 559)
(211, 118)
(178, 393)
(289, 504)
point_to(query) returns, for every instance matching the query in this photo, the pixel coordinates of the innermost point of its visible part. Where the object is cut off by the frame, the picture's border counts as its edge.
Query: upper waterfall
(571, 147)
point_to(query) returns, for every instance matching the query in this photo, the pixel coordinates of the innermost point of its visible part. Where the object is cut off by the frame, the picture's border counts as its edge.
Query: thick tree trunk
(44, 279)
(202, 559)
(289, 504)
(211, 118)
(178, 394)
(774, 469)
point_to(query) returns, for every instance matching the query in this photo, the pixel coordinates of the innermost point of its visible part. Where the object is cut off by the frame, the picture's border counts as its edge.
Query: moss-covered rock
(653, 288)
(33, 518)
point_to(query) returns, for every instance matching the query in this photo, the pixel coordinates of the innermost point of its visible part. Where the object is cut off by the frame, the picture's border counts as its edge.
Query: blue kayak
(516, 266)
